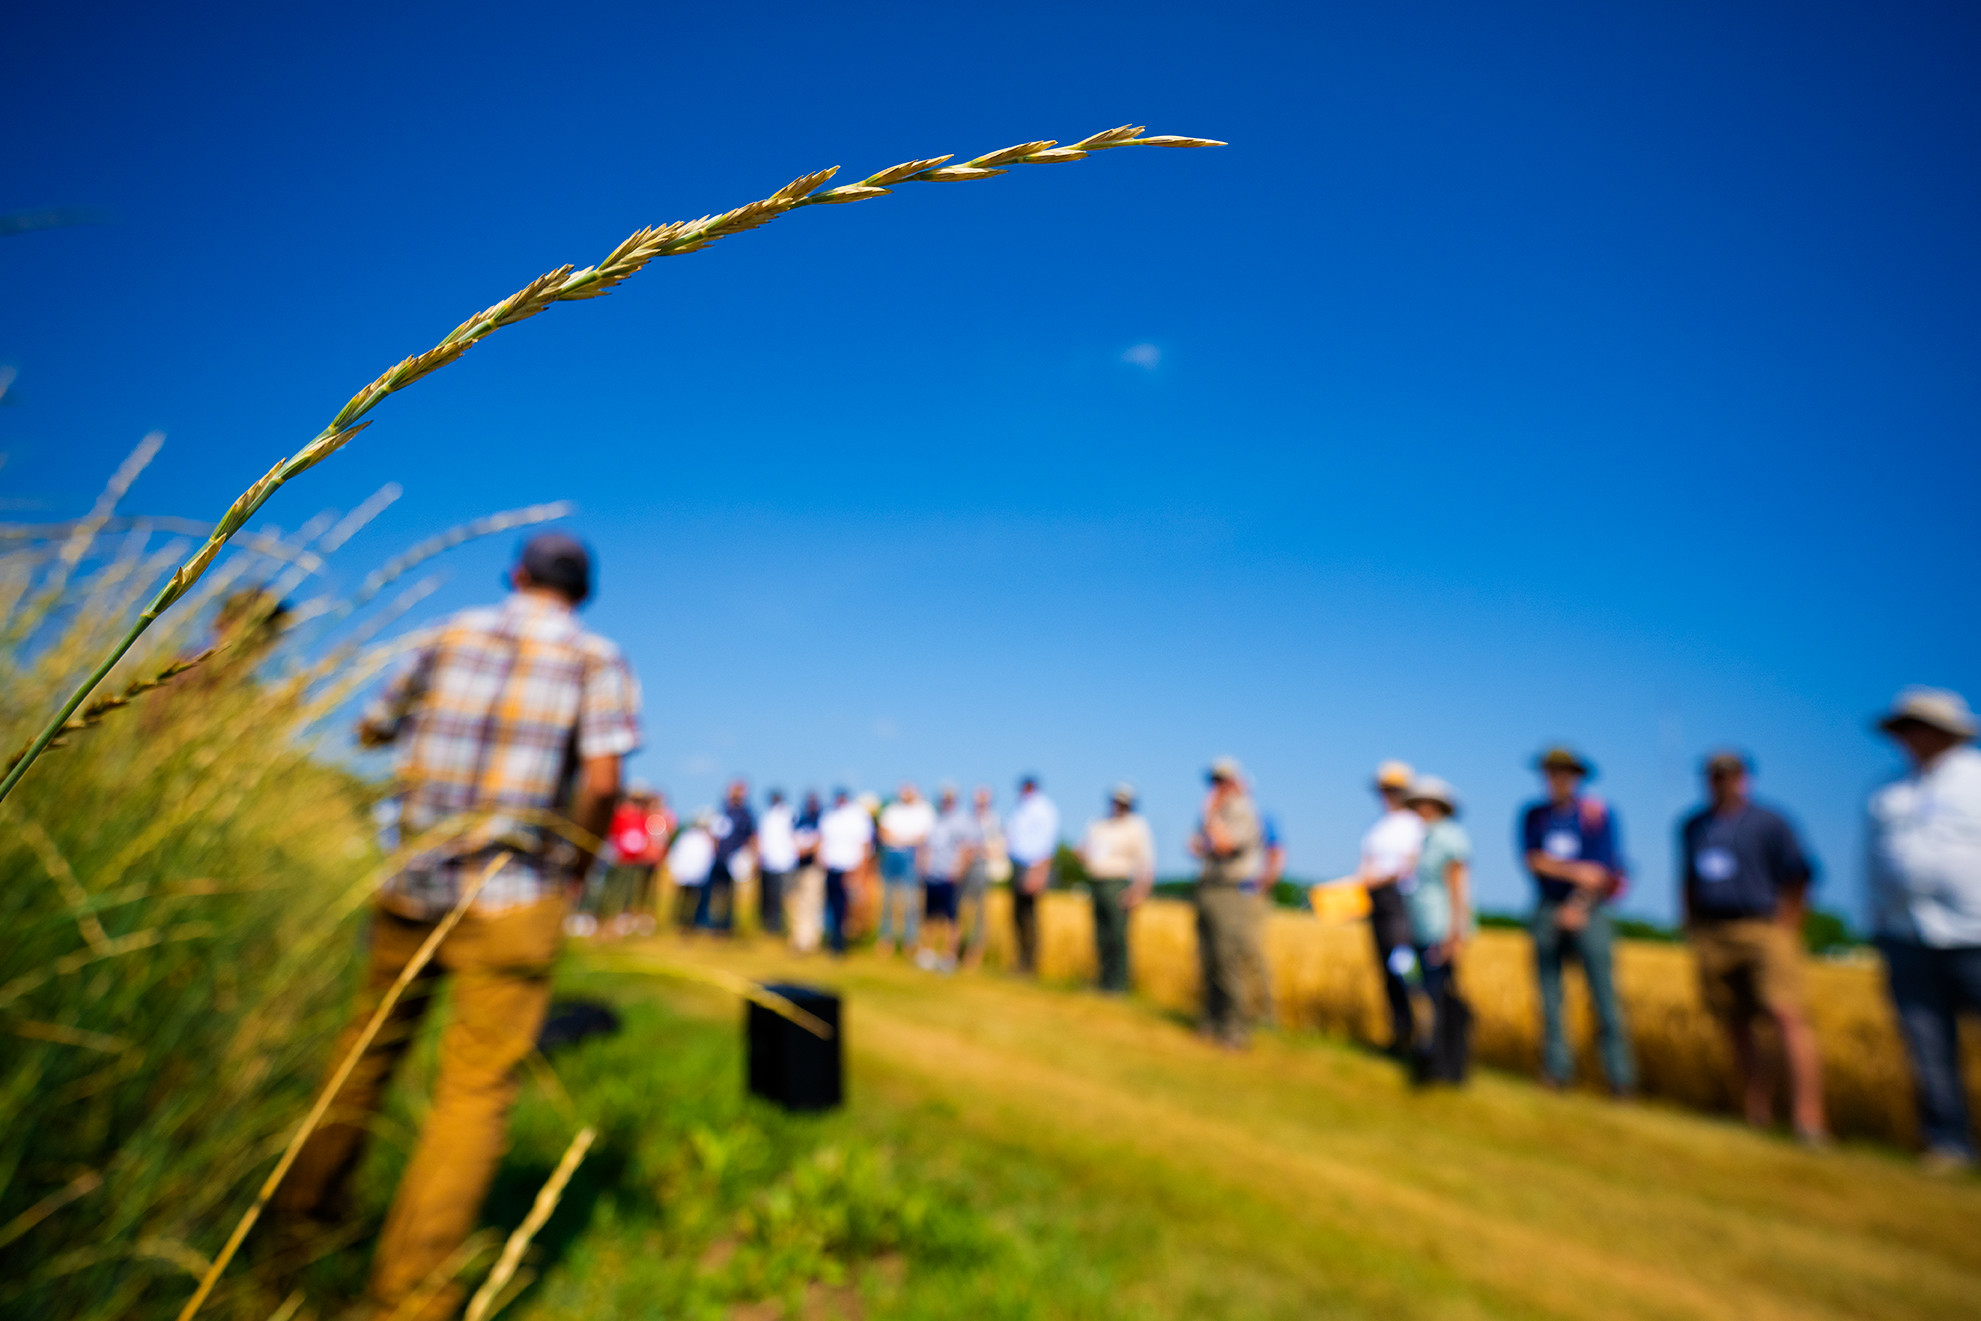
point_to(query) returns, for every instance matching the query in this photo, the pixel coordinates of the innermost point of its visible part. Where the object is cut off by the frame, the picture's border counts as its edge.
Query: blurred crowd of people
(511, 724)
(913, 874)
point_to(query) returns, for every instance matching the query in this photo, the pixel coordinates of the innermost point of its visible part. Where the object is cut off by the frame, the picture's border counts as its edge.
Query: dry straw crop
(1324, 978)
(565, 284)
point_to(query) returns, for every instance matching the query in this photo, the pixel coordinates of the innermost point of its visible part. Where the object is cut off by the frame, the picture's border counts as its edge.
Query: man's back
(1032, 832)
(493, 715)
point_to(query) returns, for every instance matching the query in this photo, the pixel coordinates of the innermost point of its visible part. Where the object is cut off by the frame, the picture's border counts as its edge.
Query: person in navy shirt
(1743, 876)
(735, 829)
(1568, 842)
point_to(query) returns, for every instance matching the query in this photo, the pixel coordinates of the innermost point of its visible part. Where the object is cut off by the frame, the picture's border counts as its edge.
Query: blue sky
(1521, 372)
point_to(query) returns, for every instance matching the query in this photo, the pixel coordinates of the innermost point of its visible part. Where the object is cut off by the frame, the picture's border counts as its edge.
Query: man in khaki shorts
(1744, 878)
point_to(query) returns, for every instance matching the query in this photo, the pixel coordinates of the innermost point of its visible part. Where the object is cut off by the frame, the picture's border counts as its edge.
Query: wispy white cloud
(1146, 356)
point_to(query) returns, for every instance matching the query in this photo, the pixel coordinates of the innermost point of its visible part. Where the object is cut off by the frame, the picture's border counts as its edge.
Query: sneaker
(927, 960)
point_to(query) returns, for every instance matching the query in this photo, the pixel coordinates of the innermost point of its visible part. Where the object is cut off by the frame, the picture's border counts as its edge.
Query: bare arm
(1458, 881)
(591, 808)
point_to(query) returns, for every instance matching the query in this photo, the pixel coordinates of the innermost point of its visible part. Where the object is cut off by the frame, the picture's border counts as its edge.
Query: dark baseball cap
(555, 560)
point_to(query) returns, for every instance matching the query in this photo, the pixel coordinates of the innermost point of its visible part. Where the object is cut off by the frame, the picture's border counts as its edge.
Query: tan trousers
(500, 964)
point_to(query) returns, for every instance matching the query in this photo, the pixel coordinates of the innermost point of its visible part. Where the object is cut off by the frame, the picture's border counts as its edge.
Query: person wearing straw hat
(1228, 843)
(1438, 897)
(1120, 855)
(1925, 856)
(507, 719)
(1389, 858)
(1568, 841)
(1743, 879)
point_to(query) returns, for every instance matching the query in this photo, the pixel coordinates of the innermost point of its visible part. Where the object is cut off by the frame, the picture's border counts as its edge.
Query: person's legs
(501, 969)
(970, 930)
(1387, 920)
(835, 910)
(1927, 1001)
(1110, 934)
(688, 903)
(1212, 1018)
(703, 902)
(808, 909)
(317, 1182)
(1557, 1064)
(912, 900)
(1025, 917)
(1222, 912)
(721, 898)
(1435, 981)
(1594, 943)
(1259, 975)
(770, 902)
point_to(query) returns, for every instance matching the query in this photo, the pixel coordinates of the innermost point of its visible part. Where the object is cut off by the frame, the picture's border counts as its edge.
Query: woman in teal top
(1439, 901)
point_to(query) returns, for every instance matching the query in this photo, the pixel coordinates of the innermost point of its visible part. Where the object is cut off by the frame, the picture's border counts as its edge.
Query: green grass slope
(1017, 1151)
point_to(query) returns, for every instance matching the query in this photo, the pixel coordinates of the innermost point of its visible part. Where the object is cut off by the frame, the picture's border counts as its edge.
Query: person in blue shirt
(1743, 878)
(1568, 843)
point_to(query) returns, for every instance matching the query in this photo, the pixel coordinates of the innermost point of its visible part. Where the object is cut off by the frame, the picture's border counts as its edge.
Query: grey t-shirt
(1239, 820)
(955, 831)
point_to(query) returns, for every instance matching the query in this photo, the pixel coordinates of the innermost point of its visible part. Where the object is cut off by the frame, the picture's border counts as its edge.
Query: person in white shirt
(1925, 856)
(1031, 836)
(1389, 866)
(777, 859)
(1119, 852)
(905, 825)
(688, 864)
(845, 835)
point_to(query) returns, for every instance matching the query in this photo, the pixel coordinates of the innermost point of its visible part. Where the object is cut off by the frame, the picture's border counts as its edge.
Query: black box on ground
(789, 1064)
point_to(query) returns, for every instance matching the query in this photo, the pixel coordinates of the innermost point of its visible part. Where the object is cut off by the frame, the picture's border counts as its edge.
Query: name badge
(1716, 865)
(1562, 845)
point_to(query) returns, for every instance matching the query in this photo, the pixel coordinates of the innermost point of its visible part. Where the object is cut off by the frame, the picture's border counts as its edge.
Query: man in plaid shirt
(507, 718)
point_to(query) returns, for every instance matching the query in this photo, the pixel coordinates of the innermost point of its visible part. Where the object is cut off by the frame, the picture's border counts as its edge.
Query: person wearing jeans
(1925, 855)
(1568, 841)
(905, 826)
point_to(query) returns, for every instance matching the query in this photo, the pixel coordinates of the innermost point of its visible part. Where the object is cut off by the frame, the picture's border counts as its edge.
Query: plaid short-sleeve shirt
(494, 713)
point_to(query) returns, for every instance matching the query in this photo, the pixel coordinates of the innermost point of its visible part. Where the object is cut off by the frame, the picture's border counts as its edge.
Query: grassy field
(1024, 1151)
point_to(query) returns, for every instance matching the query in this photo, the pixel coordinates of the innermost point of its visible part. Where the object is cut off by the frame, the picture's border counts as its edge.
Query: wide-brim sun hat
(1122, 792)
(1395, 774)
(1564, 758)
(1225, 768)
(1941, 708)
(1432, 789)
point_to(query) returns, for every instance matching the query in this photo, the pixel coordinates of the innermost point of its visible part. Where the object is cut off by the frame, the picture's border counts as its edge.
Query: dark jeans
(1930, 987)
(1446, 1056)
(835, 910)
(1553, 947)
(1025, 918)
(1111, 933)
(1389, 924)
(716, 909)
(770, 901)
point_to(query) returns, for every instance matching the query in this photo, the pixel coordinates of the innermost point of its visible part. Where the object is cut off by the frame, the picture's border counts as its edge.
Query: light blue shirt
(1925, 859)
(1429, 899)
(1031, 832)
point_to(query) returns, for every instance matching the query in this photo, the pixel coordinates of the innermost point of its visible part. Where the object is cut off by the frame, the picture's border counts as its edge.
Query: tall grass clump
(180, 882)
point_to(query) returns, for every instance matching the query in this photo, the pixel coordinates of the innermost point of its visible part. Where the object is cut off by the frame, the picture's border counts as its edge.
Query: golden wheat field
(1324, 977)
